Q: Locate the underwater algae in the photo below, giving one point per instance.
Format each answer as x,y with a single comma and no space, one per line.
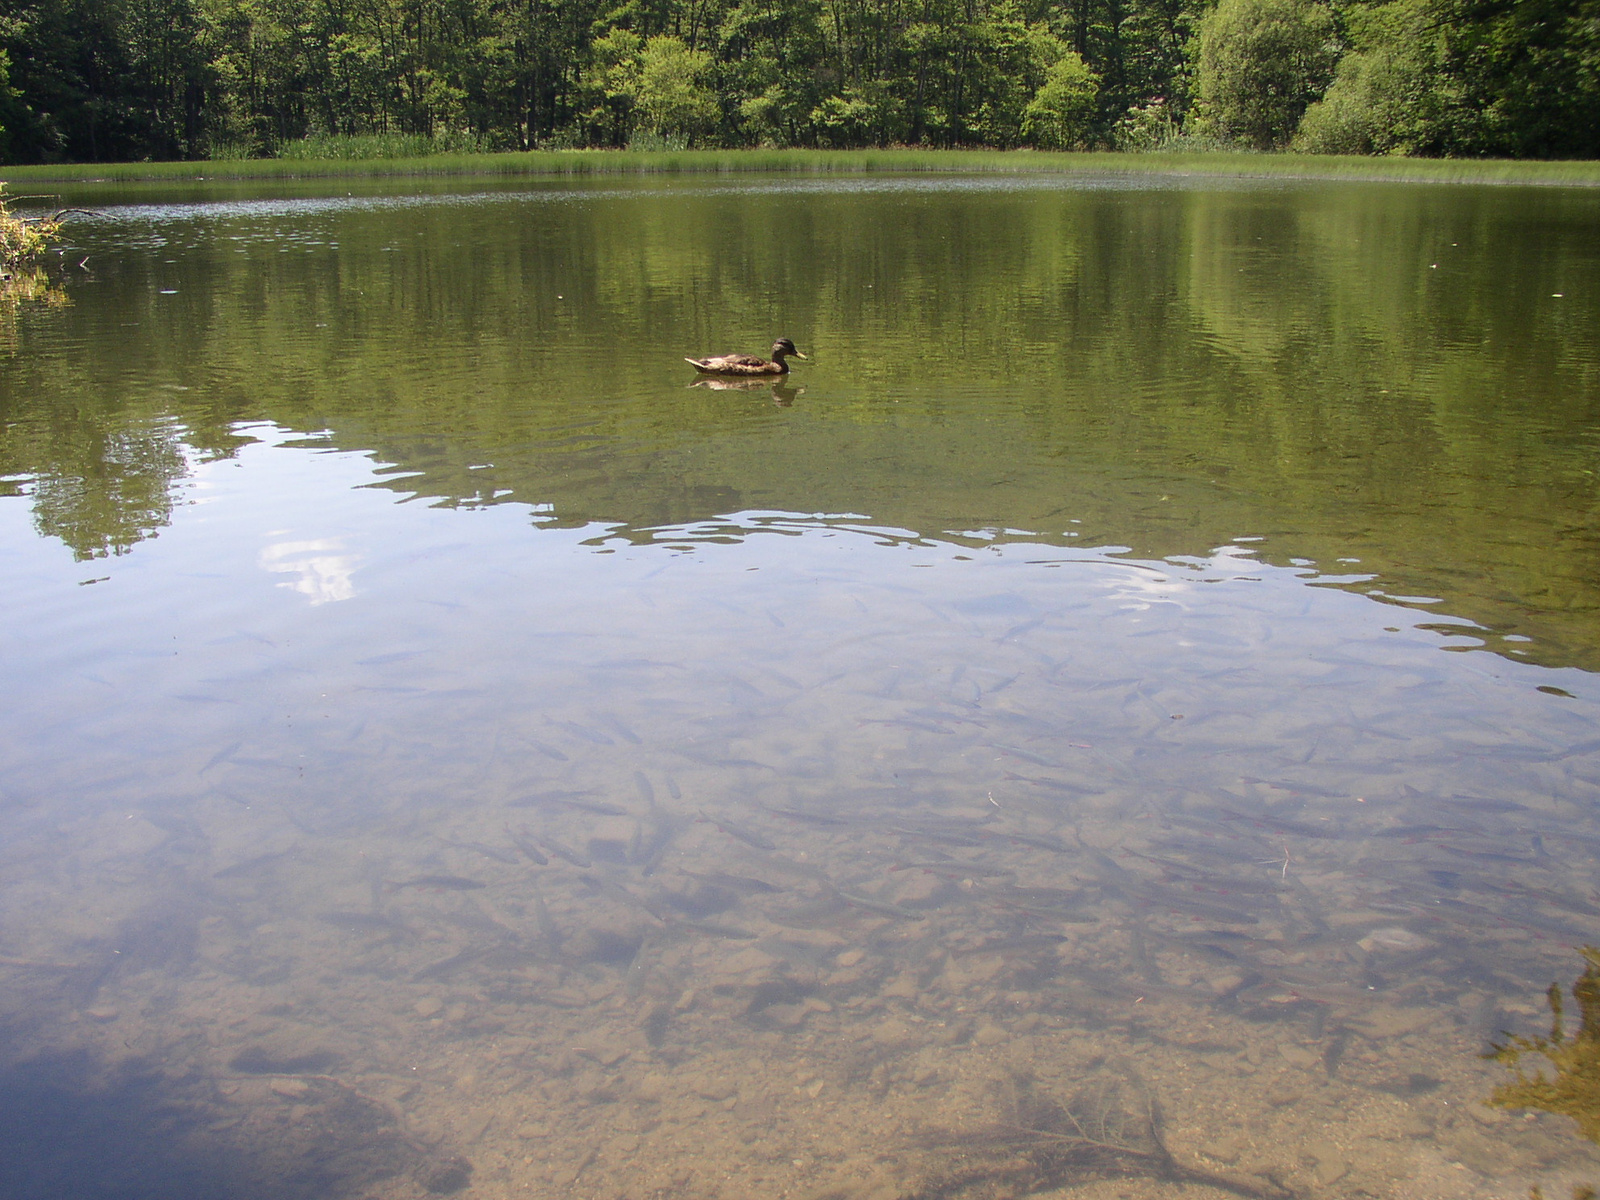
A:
1574,1090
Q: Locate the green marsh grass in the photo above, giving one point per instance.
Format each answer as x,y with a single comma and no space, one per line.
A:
368,147
830,162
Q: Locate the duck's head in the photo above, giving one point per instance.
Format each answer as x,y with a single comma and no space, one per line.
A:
784,346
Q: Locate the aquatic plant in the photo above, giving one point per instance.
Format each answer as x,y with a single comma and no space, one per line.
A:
1574,1089
23,239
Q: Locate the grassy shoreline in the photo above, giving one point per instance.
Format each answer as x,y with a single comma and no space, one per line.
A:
829,162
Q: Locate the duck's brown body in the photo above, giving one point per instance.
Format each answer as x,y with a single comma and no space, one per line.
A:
748,364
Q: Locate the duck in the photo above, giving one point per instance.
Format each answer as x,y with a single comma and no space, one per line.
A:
748,364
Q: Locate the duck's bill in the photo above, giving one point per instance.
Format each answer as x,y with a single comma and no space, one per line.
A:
797,354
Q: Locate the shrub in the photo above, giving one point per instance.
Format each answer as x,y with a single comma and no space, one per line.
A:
1391,93
1061,111
1262,63
672,97
1145,128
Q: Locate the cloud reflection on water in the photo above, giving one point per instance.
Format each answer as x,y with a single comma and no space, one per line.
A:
323,574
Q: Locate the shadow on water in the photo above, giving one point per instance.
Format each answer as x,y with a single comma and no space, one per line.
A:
72,1124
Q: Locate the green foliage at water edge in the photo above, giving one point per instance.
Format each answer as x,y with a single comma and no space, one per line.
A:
23,238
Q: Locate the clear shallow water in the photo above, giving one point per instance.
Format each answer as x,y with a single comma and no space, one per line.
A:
1035,717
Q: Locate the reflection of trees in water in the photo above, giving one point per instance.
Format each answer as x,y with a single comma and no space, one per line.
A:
101,477
20,286
1381,372
103,490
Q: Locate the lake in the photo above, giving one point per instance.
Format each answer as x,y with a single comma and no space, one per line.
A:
1121,716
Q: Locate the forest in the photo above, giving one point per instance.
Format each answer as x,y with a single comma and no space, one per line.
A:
135,80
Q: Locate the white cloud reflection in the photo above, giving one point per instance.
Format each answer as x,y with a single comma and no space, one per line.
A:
323,571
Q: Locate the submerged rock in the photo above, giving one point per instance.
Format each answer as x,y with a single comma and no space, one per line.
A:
443,1176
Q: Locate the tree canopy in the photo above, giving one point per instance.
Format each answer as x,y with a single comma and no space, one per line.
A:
109,80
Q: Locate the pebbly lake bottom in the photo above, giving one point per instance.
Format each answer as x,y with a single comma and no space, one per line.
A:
358,849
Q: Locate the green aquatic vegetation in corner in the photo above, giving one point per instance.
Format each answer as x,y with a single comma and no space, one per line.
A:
1574,1090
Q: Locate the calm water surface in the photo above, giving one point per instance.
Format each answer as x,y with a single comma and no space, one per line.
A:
1120,719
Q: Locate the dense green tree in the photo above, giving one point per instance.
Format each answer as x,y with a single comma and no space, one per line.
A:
1531,68
128,79
1262,62
672,97
1390,94
1060,114
609,86
9,97
1464,77
862,115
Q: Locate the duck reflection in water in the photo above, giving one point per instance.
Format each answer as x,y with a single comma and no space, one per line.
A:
783,395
